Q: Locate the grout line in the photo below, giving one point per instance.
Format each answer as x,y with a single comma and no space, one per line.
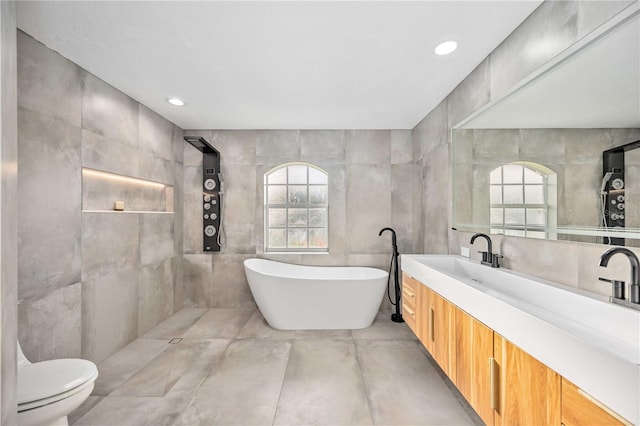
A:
286,370
364,383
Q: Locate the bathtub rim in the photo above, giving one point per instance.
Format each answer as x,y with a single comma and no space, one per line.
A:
379,273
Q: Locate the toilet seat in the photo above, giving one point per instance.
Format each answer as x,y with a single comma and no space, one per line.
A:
46,382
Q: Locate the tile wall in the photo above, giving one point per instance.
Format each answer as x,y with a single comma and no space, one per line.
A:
369,173
570,263
8,213
91,281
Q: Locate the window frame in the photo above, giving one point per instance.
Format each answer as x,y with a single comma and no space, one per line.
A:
288,205
525,229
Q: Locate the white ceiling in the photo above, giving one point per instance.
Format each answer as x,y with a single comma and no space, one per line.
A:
598,87
278,65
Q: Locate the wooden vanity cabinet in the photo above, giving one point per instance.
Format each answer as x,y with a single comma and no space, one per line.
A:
474,358
442,333
410,288
529,390
580,409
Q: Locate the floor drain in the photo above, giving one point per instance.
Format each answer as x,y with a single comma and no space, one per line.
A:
175,340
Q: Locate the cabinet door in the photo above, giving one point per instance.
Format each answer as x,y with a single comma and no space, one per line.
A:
529,390
423,317
474,358
579,409
409,298
442,333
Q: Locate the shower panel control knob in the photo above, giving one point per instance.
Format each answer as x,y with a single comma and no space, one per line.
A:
617,183
620,206
207,198
210,231
620,198
206,216
209,184
207,206
213,216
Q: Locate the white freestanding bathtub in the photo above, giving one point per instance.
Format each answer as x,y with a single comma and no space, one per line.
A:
296,297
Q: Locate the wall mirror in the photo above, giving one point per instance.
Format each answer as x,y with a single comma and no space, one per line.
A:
559,156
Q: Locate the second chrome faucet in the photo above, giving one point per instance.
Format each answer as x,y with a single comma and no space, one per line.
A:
488,257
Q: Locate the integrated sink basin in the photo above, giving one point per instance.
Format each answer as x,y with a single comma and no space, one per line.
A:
593,343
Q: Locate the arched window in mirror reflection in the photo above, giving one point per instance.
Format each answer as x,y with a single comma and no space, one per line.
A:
523,200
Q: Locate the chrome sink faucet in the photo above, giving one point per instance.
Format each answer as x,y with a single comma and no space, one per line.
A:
618,286
488,257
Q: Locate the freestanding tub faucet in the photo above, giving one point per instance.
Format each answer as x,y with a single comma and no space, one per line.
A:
634,287
488,257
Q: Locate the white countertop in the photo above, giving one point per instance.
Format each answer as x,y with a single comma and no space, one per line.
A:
586,339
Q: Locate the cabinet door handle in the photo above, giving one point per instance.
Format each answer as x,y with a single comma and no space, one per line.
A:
431,325
493,378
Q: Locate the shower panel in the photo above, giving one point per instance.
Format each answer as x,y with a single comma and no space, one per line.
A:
211,192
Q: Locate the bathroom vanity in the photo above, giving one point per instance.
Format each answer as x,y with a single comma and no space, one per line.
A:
523,350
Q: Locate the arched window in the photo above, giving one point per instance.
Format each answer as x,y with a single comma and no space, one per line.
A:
523,198
296,208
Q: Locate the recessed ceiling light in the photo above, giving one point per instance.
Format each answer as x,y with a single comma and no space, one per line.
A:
176,101
446,47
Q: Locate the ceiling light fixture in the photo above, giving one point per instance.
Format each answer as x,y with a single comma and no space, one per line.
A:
446,47
176,101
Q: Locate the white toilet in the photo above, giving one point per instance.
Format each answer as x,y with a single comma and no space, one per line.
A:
48,391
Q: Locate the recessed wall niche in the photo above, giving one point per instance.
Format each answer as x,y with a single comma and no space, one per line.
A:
100,191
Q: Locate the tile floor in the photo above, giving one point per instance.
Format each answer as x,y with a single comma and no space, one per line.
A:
231,368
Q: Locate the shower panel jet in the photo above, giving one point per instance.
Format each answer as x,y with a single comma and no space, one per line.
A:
211,193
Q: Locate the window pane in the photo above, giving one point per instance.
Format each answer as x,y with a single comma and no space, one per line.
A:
277,217
536,234
512,173
514,216
318,238
297,217
298,194
277,238
297,174
536,217
298,238
317,217
495,194
318,195
317,177
514,232
277,194
497,231
531,176
496,216
534,194
496,176
279,176
513,194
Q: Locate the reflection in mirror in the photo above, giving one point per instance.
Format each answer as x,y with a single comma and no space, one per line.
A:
556,159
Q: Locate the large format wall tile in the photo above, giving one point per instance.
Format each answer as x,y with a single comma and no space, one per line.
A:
322,145
401,147
229,286
109,314
239,208
155,133
47,82
236,147
156,237
8,214
48,203
274,147
155,294
107,111
402,206
102,153
192,219
367,146
110,242
198,278
49,326
368,207
470,95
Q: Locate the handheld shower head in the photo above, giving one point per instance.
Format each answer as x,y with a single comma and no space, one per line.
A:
606,178
221,180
